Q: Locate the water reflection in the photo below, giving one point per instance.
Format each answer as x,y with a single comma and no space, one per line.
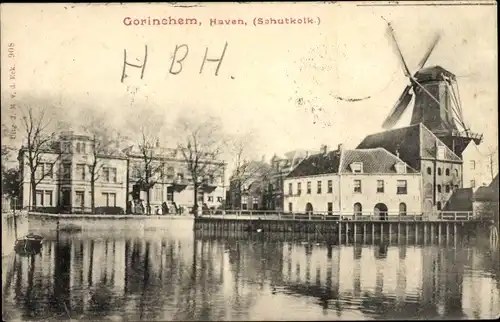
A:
175,276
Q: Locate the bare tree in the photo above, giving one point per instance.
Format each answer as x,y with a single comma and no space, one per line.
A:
246,168
40,137
104,143
147,127
201,144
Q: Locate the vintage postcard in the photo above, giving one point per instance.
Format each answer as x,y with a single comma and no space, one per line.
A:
250,161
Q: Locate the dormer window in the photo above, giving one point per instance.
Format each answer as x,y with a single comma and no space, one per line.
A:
440,152
357,167
400,167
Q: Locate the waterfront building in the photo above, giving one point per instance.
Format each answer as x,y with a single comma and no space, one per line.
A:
170,181
439,166
477,167
361,181
63,176
281,167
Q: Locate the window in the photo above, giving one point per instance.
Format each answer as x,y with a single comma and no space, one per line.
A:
170,173
358,209
48,198
441,152
455,187
109,174
83,148
473,183
380,186
319,187
255,205
357,167
472,164
402,187
158,193
429,170
330,186
290,207
330,208
109,199
290,188
456,173
210,198
447,171
39,198
439,171
439,205
402,209
309,187
180,177
79,199
357,186
78,147
219,199
439,188
447,188
299,188
66,171
400,167
80,170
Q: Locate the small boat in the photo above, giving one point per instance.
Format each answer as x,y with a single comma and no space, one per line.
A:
30,243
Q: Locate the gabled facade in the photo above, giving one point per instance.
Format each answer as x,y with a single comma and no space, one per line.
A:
368,182
63,180
416,145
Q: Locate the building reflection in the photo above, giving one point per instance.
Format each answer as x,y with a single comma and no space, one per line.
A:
208,278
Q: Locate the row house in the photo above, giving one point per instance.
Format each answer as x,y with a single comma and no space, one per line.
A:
362,181
440,168
280,168
63,179
169,180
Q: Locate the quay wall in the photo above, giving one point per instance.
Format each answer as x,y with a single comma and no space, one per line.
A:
41,222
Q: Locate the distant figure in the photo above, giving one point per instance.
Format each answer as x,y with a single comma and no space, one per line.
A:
164,208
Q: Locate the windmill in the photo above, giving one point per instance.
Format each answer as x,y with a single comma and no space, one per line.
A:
437,102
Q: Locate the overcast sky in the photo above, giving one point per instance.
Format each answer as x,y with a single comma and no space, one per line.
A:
278,81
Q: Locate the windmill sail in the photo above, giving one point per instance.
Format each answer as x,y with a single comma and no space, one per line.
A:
398,109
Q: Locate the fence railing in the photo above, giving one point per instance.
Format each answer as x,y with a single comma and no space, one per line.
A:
389,216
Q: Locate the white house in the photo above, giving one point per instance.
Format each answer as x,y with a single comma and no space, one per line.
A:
361,181
477,167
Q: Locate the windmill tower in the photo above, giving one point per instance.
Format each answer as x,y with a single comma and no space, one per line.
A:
437,102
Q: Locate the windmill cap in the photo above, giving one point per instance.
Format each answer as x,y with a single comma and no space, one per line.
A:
433,73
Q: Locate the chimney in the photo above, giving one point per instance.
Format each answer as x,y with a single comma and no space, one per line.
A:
397,153
157,143
340,147
263,158
324,148
307,154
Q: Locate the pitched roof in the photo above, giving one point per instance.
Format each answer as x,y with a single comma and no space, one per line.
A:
316,164
377,160
413,143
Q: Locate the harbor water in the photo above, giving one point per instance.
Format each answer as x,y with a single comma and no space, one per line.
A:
169,272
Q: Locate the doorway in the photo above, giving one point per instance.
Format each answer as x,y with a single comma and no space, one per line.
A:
380,211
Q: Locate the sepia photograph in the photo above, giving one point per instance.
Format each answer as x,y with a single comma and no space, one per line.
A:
271,161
